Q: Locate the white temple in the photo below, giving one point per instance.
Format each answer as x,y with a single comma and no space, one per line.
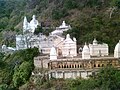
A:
59,30
64,47
33,24
28,39
53,54
30,27
117,50
69,47
86,52
98,49
6,49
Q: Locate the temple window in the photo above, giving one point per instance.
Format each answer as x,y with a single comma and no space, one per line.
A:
67,66
64,66
59,66
94,65
80,66
72,66
98,65
48,64
75,65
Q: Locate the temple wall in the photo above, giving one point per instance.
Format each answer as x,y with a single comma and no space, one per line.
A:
70,74
41,62
74,67
80,68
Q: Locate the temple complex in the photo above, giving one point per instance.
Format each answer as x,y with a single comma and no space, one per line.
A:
59,54
81,66
64,46
28,39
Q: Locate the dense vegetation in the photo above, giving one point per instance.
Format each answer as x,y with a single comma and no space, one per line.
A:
16,68
89,18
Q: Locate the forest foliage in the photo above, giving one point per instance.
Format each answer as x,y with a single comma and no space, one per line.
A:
16,68
89,19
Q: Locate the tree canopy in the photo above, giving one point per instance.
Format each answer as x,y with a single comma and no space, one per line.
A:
16,68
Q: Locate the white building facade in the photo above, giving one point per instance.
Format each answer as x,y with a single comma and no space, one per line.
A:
86,52
98,49
117,50
69,47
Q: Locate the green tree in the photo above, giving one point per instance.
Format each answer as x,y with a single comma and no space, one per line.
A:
70,4
22,74
38,30
108,78
59,13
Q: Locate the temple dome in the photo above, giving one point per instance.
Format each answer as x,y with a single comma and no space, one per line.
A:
25,25
85,52
94,41
74,39
85,48
25,22
117,50
68,39
33,23
53,54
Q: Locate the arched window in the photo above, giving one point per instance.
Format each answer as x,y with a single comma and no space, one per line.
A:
78,65
67,66
72,66
98,65
75,65
64,66
94,65
59,66
48,64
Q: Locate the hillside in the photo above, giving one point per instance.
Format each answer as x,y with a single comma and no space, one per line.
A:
89,18
16,68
